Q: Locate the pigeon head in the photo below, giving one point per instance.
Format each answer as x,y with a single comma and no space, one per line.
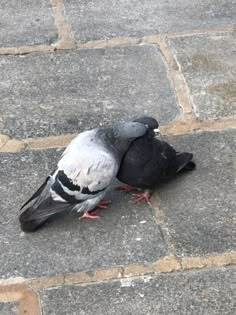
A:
150,123
129,130
123,134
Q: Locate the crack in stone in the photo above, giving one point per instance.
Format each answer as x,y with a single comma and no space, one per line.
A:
179,83
181,125
25,291
66,40
166,264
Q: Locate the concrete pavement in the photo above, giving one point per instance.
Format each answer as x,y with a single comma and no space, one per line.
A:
71,65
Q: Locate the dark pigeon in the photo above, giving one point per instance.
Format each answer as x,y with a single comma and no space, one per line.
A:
82,176
150,161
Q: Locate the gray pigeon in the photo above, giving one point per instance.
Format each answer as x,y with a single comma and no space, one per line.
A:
83,174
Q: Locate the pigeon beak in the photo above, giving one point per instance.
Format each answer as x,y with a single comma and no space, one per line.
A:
157,132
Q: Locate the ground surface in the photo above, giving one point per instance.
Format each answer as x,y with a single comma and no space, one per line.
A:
71,65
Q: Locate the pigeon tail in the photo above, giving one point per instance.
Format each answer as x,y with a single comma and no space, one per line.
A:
33,217
29,224
184,161
37,193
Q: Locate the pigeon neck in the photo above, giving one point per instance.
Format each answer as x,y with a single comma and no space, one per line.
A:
117,144
121,145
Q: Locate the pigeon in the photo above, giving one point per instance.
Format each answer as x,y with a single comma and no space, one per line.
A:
150,161
82,176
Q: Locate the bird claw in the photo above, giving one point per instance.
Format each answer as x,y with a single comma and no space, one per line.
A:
126,188
142,196
90,215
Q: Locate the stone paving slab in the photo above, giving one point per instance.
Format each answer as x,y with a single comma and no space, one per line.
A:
64,92
210,72
124,234
8,308
27,22
200,206
106,19
205,292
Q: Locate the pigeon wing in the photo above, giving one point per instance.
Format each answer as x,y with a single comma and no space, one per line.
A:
37,193
86,172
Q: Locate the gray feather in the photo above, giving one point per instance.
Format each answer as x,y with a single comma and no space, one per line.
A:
30,219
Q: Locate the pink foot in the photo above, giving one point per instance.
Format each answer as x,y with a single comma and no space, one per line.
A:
90,215
142,196
103,204
127,188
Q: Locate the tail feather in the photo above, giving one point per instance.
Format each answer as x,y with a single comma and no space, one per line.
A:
184,161
37,193
42,191
34,217
189,166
